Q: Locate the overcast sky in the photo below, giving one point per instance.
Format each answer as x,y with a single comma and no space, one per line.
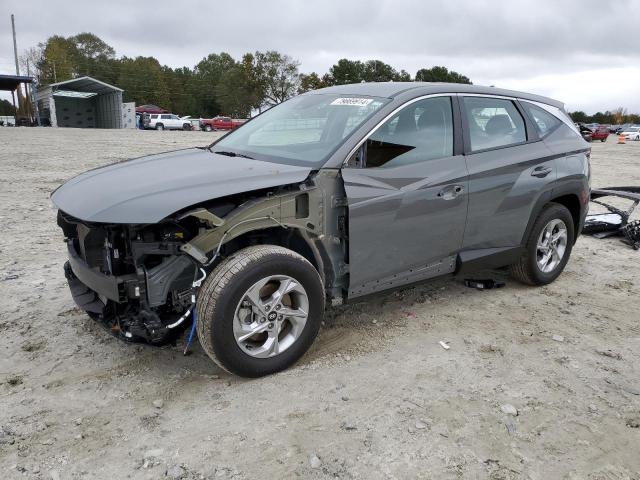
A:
585,53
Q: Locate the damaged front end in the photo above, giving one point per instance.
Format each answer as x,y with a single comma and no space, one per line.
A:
132,278
141,280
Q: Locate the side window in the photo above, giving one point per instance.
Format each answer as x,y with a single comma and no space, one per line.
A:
165,117
419,132
493,122
545,122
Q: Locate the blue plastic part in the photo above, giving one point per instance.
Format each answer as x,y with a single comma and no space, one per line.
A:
194,320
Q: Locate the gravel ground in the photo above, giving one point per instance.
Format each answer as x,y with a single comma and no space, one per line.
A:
539,383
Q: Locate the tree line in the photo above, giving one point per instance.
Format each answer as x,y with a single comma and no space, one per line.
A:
218,84
619,116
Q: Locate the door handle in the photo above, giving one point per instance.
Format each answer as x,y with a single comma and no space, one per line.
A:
541,171
450,192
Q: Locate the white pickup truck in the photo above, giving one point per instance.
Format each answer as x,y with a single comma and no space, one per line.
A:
167,121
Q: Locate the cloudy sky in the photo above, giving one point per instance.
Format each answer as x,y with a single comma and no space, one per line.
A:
583,52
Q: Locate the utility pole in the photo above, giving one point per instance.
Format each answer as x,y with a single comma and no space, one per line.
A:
15,53
15,45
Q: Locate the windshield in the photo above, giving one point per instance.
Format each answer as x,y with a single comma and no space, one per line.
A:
302,131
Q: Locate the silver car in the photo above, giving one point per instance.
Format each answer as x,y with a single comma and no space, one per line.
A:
331,196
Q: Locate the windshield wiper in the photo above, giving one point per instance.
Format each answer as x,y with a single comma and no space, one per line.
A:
232,154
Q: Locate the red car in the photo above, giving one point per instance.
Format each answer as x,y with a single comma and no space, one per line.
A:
219,123
600,132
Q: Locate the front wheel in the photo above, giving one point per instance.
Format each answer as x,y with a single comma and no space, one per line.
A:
603,140
260,310
208,128
159,126
548,247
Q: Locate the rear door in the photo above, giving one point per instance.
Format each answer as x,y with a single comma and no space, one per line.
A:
510,169
407,198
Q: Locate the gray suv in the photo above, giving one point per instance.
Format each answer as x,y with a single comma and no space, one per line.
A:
333,195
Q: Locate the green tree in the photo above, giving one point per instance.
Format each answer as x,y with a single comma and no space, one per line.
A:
378,71
143,81
346,71
207,75
234,94
59,60
440,74
579,117
311,81
404,76
277,77
181,87
6,108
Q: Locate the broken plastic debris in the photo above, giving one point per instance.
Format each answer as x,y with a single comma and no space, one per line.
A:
444,345
483,284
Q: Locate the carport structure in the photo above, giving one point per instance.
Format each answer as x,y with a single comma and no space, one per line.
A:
83,102
12,83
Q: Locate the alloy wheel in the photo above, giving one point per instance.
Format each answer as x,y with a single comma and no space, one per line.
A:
270,316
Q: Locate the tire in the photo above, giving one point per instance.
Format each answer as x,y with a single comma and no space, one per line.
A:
159,126
208,128
224,295
527,270
186,126
603,140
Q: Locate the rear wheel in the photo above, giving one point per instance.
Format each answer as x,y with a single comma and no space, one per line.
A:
159,126
548,247
260,310
603,140
208,128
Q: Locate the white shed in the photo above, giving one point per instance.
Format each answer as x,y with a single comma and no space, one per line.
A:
81,103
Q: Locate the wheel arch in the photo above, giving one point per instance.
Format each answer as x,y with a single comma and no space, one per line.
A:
293,238
569,198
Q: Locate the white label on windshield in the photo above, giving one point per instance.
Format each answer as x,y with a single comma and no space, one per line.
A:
354,102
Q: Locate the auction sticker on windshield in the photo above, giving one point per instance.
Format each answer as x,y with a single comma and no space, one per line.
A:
352,101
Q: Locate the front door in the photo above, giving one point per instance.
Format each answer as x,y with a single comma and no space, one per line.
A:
407,198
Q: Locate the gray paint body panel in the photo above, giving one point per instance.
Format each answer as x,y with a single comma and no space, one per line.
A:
397,221
148,189
502,193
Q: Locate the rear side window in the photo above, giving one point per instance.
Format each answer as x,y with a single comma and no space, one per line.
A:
419,132
544,121
166,117
493,122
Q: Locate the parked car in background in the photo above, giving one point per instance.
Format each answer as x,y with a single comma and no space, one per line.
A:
632,133
219,123
600,132
586,132
333,195
167,121
195,123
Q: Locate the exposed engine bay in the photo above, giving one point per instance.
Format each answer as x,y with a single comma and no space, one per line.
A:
140,281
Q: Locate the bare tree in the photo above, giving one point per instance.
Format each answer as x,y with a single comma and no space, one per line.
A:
619,115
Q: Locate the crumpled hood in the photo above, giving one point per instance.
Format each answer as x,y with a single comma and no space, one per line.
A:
148,189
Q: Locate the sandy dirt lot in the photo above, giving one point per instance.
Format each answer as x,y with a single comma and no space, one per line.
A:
376,397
